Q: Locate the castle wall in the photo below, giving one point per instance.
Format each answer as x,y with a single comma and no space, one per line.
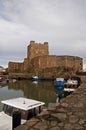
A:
44,61
15,67
26,64
73,62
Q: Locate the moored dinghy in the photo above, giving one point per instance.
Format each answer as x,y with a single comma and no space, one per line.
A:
37,78
71,83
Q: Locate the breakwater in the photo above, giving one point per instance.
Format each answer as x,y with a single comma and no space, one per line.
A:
69,114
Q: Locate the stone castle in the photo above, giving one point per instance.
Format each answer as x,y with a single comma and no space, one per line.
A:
38,61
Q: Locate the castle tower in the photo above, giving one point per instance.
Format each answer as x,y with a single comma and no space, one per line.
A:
37,49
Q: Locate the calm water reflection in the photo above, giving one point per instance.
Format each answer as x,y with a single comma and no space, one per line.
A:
42,91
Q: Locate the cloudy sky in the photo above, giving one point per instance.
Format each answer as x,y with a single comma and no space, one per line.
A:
61,23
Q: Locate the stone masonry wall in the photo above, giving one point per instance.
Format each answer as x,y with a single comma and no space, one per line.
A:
15,67
74,62
37,49
58,61
44,61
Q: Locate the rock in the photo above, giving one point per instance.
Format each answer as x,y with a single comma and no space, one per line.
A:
63,104
60,116
68,127
73,119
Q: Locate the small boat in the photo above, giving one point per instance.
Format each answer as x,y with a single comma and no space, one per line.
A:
2,80
59,82
27,107
71,83
36,78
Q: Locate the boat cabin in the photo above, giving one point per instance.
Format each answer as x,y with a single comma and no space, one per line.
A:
27,108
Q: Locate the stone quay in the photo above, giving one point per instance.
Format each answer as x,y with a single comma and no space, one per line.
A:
69,114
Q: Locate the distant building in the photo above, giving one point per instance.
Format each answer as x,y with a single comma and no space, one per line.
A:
2,70
38,58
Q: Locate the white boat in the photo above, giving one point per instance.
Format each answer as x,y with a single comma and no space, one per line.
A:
27,107
71,83
69,89
3,80
36,78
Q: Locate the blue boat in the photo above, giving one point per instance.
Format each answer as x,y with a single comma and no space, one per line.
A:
59,88
59,82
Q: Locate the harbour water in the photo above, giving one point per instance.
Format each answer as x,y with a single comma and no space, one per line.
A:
42,91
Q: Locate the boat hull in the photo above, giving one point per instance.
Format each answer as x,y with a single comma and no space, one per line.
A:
59,82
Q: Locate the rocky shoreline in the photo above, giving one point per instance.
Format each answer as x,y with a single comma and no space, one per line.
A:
69,114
